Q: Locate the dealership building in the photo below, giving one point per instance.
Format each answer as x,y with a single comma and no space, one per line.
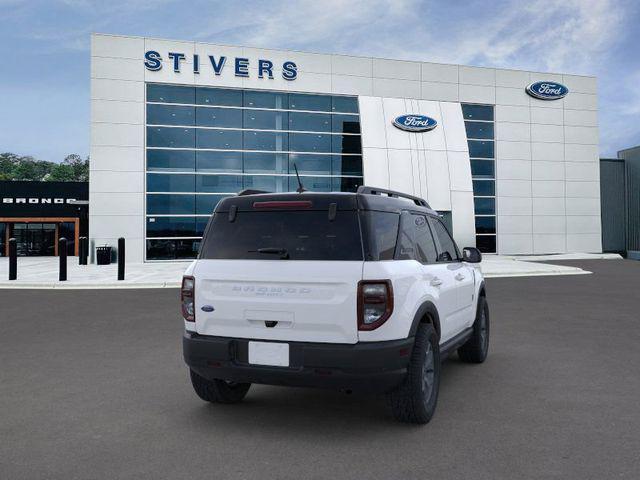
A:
508,157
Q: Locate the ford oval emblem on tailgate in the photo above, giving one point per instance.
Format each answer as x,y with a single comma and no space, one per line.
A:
207,308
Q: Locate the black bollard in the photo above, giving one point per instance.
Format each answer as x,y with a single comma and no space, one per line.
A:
85,260
80,250
13,259
62,253
121,254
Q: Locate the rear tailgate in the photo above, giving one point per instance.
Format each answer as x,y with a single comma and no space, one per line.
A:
281,267
285,300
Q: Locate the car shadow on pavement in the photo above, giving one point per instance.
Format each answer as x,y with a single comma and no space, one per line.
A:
312,410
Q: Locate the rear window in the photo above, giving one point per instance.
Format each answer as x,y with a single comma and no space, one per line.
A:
292,235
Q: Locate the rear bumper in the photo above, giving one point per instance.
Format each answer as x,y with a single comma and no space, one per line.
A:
370,367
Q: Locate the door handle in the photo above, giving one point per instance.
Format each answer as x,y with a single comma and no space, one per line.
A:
459,277
436,282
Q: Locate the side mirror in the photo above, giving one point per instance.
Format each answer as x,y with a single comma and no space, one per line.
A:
471,255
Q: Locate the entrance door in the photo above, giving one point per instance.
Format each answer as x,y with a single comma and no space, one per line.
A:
35,239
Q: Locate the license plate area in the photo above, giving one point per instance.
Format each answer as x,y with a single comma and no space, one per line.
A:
272,354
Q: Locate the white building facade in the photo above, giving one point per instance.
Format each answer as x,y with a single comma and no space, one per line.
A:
177,125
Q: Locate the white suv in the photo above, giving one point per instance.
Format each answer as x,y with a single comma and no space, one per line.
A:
353,291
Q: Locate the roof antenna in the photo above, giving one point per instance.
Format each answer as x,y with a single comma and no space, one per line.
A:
300,188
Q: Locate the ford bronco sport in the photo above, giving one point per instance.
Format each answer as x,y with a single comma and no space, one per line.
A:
361,291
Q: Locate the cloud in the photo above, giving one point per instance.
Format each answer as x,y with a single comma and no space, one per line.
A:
596,37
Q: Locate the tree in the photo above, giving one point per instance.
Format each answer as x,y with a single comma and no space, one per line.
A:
16,167
61,173
79,167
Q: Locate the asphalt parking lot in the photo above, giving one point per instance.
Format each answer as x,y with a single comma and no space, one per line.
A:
93,387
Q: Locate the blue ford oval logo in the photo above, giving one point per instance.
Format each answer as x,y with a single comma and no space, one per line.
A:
415,123
547,90
207,308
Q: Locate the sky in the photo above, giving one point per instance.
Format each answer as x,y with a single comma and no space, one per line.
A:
44,77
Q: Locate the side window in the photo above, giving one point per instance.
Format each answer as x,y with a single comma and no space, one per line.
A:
380,234
447,250
425,246
405,249
415,241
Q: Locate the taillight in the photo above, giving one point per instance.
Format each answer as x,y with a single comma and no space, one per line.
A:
187,298
375,303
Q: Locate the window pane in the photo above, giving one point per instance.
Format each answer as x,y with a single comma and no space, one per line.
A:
480,149
265,141
347,144
486,243
477,112
479,129
268,183
265,120
166,204
310,122
66,230
218,183
219,97
485,224
219,161
316,103
171,227
482,168
345,184
201,225
167,182
172,249
169,115
447,250
305,235
446,217
425,246
310,142
345,104
345,124
223,139
265,99
260,162
170,137
312,184
219,117
484,188
171,160
380,230
347,165
310,164
170,94
205,204
485,206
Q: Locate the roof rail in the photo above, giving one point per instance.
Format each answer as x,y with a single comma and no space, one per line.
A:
392,193
250,191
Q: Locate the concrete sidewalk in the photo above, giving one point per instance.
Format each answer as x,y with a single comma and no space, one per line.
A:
42,272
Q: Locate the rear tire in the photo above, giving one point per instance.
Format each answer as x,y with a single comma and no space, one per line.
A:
218,391
414,401
475,350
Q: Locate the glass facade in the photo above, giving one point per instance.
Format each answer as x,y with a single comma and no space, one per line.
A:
480,127
203,144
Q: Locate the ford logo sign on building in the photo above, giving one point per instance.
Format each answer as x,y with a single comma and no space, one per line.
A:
547,90
415,123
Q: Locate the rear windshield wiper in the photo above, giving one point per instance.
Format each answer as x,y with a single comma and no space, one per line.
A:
284,254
